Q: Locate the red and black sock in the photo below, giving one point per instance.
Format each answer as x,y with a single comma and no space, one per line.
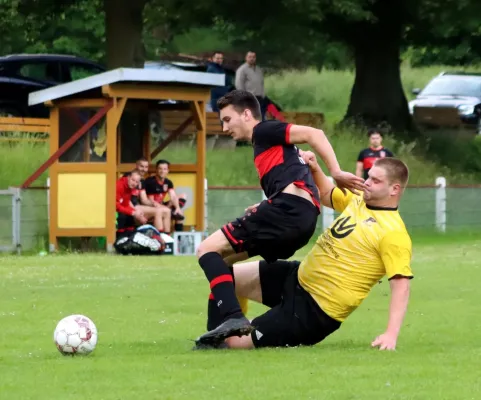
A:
214,317
222,287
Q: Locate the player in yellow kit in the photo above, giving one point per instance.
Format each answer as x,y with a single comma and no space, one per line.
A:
310,300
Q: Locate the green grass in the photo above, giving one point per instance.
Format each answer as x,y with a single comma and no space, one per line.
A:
19,160
148,310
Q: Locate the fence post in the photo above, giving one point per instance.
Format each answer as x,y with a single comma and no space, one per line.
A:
441,204
16,217
327,213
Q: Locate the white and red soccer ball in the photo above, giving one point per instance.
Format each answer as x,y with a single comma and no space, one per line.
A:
75,334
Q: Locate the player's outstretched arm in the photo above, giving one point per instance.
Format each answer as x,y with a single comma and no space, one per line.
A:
324,185
299,134
397,310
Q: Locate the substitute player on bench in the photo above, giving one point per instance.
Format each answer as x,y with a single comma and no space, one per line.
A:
309,300
276,228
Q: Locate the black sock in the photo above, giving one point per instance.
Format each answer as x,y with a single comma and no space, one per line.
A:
214,318
221,284
179,227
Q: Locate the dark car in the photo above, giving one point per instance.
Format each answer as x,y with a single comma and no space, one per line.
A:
23,74
449,97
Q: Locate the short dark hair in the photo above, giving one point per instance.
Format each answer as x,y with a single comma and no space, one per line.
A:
142,159
396,170
374,131
217,52
241,100
162,162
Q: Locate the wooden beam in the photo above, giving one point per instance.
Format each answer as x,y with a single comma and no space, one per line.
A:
113,119
24,121
200,176
80,232
172,136
78,103
156,92
146,137
123,168
76,136
82,167
200,122
53,195
118,109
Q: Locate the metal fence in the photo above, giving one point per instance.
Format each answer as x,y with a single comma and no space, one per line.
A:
23,219
437,207
24,212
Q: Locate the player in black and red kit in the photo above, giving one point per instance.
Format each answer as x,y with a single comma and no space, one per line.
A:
157,187
277,227
376,150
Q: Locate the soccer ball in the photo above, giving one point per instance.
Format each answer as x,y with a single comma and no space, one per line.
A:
75,334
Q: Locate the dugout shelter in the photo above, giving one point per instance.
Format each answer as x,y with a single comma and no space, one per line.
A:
99,127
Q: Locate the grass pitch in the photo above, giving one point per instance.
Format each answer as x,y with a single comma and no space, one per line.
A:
148,310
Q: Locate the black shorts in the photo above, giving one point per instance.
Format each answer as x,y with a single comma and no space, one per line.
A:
294,318
275,230
125,222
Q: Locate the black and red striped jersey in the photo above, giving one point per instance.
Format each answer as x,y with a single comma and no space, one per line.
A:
369,155
156,189
278,162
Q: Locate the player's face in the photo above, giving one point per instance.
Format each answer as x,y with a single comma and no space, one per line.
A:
235,123
375,140
143,167
378,187
162,170
133,181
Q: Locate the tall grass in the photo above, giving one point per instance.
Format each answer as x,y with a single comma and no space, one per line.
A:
329,91
235,167
18,160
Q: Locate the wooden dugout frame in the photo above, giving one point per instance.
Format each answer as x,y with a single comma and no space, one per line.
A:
112,104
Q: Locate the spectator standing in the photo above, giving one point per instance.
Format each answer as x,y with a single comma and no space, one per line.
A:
249,77
215,67
367,156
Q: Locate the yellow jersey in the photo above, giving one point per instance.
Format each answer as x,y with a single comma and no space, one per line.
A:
361,246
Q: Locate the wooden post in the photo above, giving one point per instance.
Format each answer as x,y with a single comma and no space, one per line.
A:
198,110
54,143
113,119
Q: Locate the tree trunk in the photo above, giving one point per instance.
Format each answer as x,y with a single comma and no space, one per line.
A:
377,97
123,26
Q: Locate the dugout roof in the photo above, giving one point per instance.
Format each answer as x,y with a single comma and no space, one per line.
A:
92,86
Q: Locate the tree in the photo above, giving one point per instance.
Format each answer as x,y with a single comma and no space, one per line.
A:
124,26
68,27
376,31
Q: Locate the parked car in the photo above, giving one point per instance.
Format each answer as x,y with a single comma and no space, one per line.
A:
458,91
23,74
